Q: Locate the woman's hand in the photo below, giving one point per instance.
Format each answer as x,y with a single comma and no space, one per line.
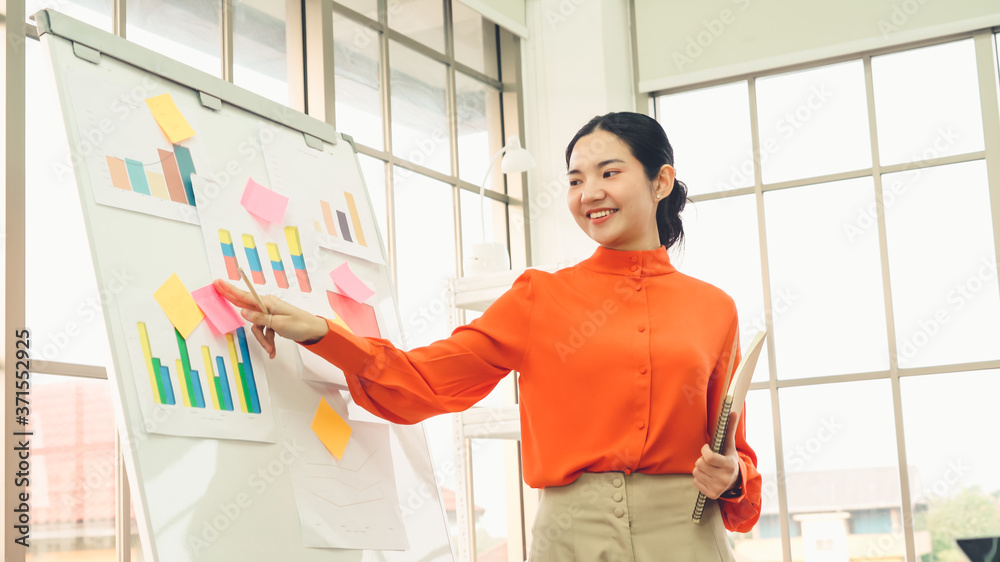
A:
284,319
715,473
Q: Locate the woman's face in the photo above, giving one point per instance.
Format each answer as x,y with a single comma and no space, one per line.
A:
610,196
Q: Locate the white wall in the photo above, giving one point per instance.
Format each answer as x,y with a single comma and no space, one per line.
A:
577,64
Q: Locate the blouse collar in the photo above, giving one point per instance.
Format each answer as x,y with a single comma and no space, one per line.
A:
642,263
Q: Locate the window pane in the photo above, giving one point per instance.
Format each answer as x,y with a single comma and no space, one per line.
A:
836,321
260,62
419,109
373,171
185,30
73,470
709,130
813,122
946,302
489,494
953,475
760,437
722,247
842,474
424,219
357,83
422,20
479,137
475,39
940,85
95,12
66,319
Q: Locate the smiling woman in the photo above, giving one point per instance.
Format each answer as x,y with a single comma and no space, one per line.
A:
656,342
622,164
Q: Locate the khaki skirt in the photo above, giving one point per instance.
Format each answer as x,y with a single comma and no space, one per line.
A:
617,517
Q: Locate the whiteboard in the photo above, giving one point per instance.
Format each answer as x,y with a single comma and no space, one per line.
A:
209,480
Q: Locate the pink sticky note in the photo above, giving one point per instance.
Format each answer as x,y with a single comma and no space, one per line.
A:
263,202
221,315
349,284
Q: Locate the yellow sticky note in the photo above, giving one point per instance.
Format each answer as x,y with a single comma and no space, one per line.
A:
331,429
179,306
169,117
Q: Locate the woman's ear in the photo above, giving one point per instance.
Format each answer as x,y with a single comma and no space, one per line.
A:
664,182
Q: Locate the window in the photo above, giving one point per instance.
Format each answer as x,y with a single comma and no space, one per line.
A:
862,234
417,84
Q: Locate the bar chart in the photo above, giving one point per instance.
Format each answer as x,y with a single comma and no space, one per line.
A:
172,181
221,382
339,224
275,261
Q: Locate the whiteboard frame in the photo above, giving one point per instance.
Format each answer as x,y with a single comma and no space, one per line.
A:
91,44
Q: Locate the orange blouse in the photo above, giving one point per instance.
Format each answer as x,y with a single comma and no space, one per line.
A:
621,359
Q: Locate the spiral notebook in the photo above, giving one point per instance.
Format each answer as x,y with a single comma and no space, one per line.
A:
736,394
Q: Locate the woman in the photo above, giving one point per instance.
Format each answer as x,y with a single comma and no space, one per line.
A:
620,357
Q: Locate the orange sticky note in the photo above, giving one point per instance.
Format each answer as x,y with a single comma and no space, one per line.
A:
331,429
179,306
169,117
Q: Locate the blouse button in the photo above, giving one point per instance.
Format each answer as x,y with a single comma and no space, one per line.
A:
617,482
617,497
642,371
634,258
642,425
619,512
634,268
628,471
639,288
642,329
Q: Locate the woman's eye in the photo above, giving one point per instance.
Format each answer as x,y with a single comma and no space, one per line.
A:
610,173
574,183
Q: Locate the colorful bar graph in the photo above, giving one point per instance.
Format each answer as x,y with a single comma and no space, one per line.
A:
167,387
277,266
342,219
213,381
157,186
229,255
191,382
175,185
137,176
237,373
355,218
247,366
185,165
191,386
298,261
256,270
154,373
119,173
328,218
227,398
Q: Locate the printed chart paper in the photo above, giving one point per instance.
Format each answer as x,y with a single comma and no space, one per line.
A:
350,503
341,217
203,385
131,163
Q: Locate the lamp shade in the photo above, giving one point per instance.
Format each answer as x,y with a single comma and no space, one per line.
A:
517,159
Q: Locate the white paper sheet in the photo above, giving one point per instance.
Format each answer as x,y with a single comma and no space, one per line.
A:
351,503
291,164
111,129
193,421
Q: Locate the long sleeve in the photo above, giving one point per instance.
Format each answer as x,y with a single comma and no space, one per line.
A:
449,375
739,514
